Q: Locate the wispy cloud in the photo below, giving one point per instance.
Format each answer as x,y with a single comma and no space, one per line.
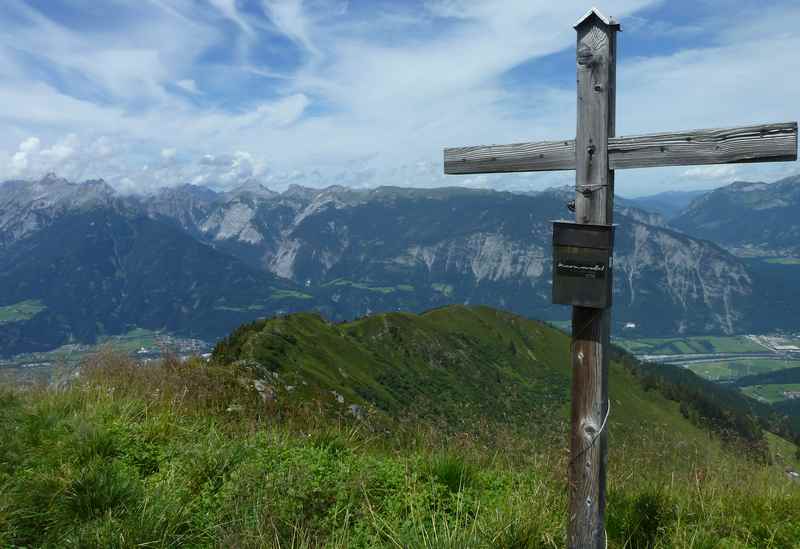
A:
229,10
362,93
291,19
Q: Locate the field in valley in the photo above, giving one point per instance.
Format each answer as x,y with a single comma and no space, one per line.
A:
727,359
690,345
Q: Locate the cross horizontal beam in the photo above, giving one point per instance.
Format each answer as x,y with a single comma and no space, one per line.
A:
763,143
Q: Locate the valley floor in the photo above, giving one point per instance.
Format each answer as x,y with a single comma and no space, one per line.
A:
60,364
728,359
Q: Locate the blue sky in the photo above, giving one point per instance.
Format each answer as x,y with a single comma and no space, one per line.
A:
152,93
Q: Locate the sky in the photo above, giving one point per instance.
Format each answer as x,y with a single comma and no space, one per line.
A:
363,93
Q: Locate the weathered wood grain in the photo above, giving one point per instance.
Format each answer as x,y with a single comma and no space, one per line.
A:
761,143
758,143
596,57
517,157
588,446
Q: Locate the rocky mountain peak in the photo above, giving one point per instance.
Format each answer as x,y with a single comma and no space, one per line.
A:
29,205
51,178
187,191
252,188
746,187
299,191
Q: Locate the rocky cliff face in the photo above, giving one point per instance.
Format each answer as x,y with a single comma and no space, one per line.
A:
403,248
28,206
693,275
343,252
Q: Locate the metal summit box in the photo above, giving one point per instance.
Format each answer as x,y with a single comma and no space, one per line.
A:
582,263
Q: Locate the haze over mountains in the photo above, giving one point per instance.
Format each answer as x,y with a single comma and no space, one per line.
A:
198,262
668,203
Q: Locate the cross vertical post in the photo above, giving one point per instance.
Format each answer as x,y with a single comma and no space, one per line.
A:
594,154
594,203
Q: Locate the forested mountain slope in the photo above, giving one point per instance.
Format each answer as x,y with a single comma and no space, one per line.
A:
198,262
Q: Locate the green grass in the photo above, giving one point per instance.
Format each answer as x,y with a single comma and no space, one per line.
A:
734,369
783,260
114,463
367,287
290,294
432,364
467,450
18,312
444,289
772,392
689,345
783,452
131,341
238,309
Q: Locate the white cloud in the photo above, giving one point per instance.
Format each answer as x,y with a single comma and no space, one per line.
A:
188,85
101,147
31,159
282,112
723,172
168,154
61,151
19,162
20,159
30,145
290,19
229,10
362,103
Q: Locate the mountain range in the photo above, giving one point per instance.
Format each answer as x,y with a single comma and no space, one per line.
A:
198,262
749,219
668,204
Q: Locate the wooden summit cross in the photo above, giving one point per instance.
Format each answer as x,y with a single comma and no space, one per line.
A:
594,154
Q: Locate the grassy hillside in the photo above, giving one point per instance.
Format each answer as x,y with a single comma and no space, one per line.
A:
447,429
453,364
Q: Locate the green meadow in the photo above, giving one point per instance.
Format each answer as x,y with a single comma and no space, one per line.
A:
690,345
771,393
734,369
459,440
24,310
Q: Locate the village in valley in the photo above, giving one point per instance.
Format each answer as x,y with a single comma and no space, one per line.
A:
143,346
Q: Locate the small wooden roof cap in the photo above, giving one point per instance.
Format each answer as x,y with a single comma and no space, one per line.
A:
609,21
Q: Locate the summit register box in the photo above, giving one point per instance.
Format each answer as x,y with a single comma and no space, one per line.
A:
582,262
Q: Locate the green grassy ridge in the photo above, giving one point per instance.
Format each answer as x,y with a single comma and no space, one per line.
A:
453,362
188,454
458,363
